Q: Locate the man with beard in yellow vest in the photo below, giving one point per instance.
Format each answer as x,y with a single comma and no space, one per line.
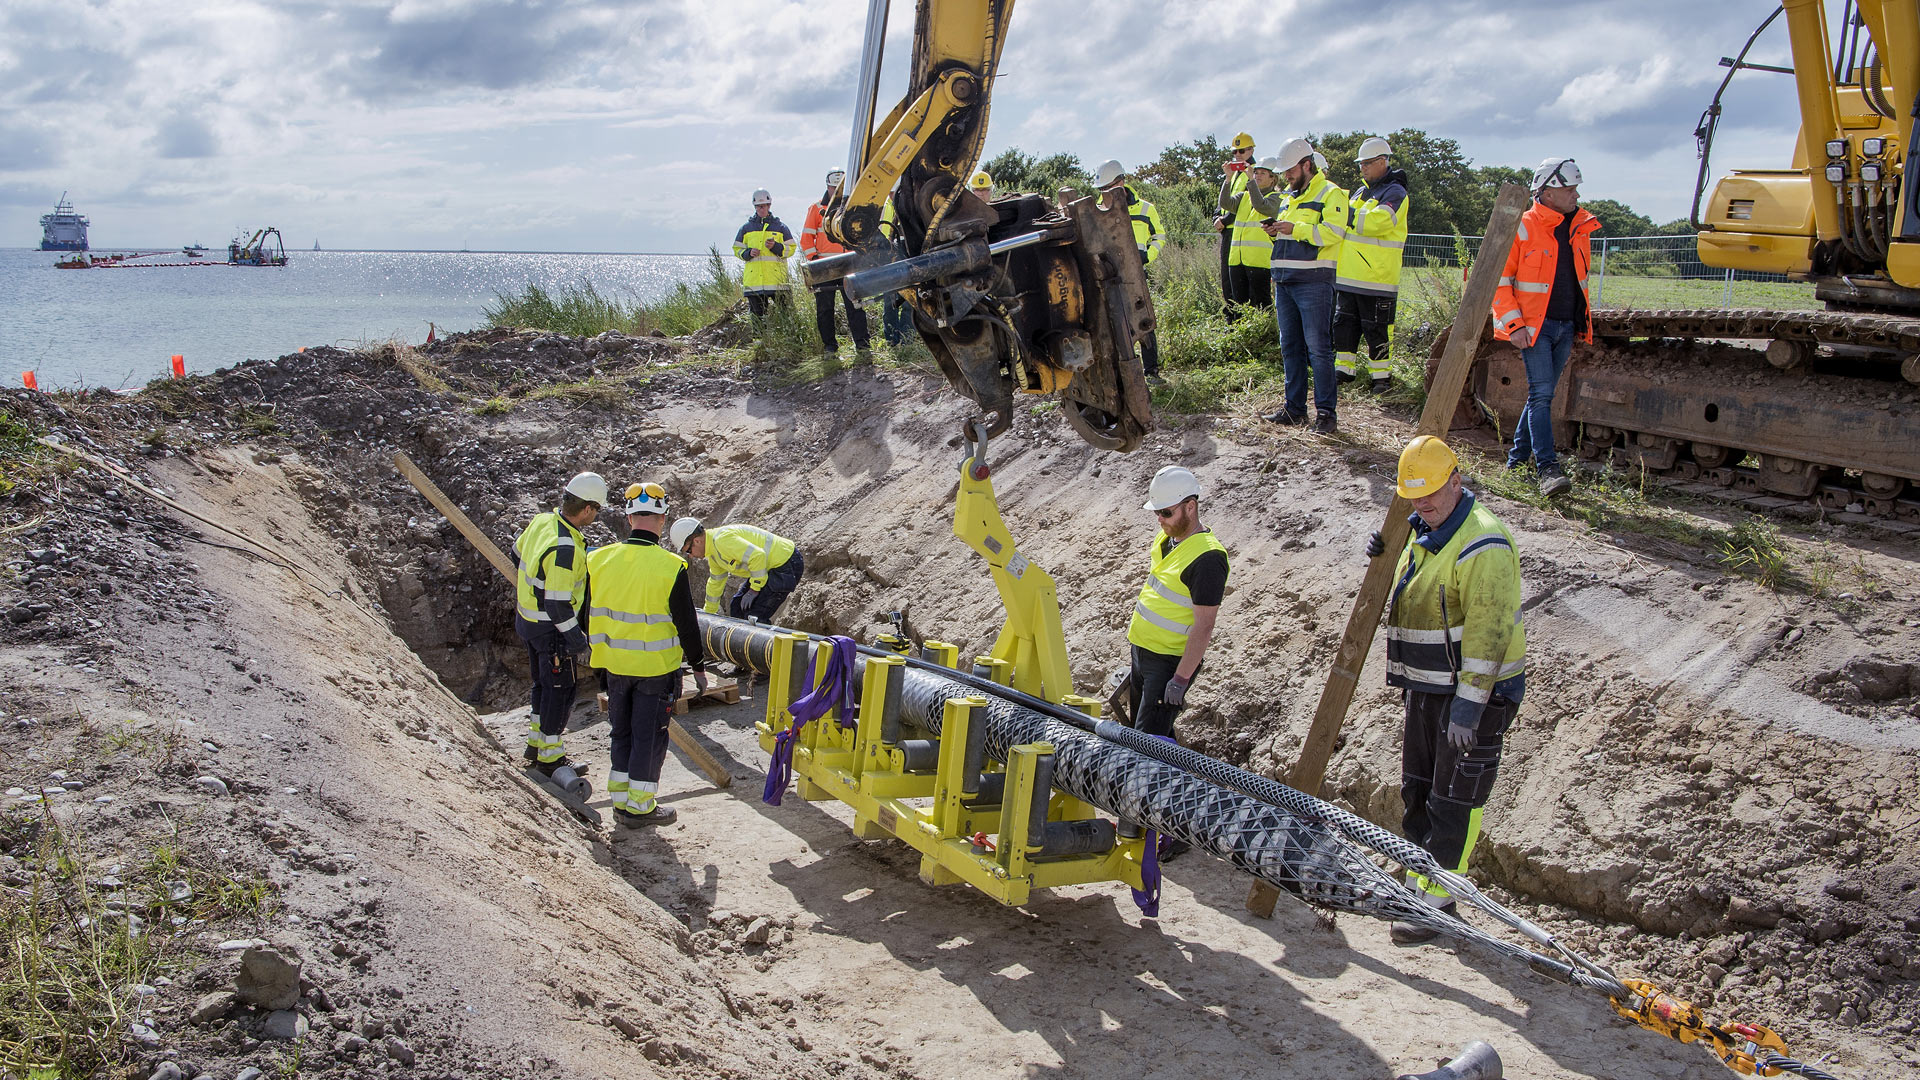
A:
1173,618
642,627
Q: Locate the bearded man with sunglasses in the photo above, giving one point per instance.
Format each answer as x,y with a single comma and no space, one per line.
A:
1173,618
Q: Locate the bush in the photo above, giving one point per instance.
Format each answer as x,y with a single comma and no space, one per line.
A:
581,311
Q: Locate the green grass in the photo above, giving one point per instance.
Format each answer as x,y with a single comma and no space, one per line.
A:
73,955
19,451
581,311
1754,548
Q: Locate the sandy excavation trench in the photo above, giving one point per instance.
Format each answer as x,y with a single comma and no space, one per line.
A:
1711,785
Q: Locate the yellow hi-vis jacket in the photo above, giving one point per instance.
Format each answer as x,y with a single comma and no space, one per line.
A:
1319,216
553,576
766,271
1376,239
1453,626
1251,246
630,627
1147,231
742,551
1163,615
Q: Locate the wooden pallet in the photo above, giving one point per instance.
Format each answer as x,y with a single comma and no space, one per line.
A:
720,691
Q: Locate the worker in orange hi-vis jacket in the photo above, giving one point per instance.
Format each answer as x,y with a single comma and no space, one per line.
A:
816,244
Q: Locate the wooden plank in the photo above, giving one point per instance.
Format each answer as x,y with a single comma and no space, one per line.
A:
1449,379
689,746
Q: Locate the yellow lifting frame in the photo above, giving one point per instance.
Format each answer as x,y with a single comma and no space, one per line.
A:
930,811
1030,655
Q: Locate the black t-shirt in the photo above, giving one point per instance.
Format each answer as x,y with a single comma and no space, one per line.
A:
1205,578
1566,301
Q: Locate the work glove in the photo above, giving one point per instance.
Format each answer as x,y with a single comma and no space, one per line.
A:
1462,737
775,247
746,598
700,682
1376,545
576,641
1176,692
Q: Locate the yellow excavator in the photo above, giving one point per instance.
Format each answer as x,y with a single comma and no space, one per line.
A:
1800,405
1023,293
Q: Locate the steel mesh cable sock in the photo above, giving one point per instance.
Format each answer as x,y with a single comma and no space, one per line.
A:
1299,853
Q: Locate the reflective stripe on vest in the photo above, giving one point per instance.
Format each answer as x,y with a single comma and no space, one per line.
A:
1251,244
1163,612
630,628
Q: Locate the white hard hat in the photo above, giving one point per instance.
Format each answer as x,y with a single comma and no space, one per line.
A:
1293,152
1170,487
589,487
1320,161
646,499
760,196
834,176
1556,172
682,531
1271,164
1374,146
1109,171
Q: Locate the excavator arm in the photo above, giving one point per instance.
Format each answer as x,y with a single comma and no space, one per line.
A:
1026,293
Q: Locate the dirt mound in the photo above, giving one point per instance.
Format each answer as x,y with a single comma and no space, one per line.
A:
1710,784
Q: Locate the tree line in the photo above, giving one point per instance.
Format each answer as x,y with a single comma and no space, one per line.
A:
1449,192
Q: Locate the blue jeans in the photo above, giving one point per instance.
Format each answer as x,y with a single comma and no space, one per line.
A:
1304,310
1545,360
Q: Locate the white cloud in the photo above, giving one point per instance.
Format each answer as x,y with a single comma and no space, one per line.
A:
563,124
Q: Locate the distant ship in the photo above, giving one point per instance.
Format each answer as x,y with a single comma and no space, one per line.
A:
63,230
316,245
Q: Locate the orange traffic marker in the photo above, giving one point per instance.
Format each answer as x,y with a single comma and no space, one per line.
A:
179,366
31,383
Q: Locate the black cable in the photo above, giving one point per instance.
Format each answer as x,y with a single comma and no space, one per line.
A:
1710,120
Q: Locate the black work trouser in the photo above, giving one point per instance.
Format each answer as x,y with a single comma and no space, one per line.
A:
757,303
1251,286
781,581
1444,788
1150,673
1364,316
553,683
1226,274
639,708
823,316
895,322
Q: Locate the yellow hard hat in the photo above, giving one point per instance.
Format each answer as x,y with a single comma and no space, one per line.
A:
1242,141
980,181
1425,465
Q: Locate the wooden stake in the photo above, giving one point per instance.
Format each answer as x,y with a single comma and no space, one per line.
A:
484,544
1449,379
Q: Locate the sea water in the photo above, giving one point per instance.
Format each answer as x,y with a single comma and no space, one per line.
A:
120,327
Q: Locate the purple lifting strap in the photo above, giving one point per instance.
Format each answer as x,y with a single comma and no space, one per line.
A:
835,689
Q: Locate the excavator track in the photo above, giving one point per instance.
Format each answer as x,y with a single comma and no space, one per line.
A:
1771,407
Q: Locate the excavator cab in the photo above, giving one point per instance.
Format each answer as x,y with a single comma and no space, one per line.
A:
1024,294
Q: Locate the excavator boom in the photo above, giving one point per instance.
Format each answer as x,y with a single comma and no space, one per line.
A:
1028,293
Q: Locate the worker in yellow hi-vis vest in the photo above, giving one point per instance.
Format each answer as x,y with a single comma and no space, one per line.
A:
1173,617
550,559
764,244
641,623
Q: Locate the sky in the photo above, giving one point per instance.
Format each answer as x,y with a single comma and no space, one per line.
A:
549,125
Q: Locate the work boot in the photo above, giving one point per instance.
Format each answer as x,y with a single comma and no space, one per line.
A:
1325,424
1172,847
530,755
659,815
1154,380
1379,385
548,768
1342,378
1408,933
1285,418
1553,481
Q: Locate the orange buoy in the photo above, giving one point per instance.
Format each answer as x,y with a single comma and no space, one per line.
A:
31,383
179,366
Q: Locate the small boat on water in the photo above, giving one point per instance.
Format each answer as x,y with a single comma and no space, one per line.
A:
194,251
